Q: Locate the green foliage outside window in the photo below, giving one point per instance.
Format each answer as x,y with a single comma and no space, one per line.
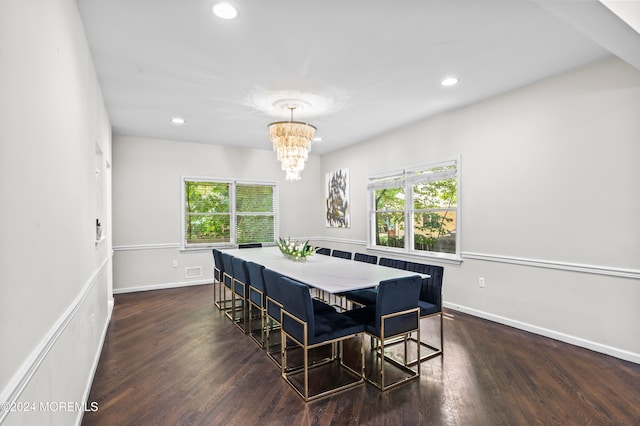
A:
209,208
428,201
434,215
390,204
207,212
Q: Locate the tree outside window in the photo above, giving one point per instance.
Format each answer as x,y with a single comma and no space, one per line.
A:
207,212
434,215
228,212
389,217
425,197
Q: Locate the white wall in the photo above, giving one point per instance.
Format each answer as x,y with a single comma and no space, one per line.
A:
549,204
147,205
54,278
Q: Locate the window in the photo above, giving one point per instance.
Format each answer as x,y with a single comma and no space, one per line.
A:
255,217
219,212
416,210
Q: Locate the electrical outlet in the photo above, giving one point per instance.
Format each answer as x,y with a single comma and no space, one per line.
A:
481,282
175,263
93,321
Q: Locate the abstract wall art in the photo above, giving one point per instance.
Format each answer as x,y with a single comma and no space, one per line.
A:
338,210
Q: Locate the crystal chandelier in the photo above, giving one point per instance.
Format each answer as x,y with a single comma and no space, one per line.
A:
291,140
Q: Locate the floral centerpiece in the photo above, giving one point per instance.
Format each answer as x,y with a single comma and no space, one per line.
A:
294,249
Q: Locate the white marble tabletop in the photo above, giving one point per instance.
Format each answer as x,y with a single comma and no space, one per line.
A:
331,274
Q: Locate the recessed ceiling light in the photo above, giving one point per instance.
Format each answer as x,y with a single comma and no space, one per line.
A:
177,121
317,139
449,81
224,11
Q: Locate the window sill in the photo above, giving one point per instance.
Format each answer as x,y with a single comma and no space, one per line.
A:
203,248
392,252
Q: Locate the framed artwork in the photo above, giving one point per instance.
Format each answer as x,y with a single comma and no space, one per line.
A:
338,210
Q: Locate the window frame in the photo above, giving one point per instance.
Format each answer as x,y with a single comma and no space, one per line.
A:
406,178
233,213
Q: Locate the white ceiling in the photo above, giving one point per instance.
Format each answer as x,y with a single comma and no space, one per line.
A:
367,66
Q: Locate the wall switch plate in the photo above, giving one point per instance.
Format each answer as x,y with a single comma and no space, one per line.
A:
175,263
481,282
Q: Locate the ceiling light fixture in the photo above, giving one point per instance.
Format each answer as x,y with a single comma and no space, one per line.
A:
177,121
291,139
224,11
449,81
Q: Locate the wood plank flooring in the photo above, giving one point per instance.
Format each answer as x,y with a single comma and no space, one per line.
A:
170,357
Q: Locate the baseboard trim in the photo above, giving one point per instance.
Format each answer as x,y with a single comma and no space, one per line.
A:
96,360
576,341
160,286
25,373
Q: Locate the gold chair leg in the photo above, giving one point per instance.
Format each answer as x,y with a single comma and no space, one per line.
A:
435,350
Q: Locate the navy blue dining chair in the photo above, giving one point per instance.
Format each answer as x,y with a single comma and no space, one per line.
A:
257,302
249,245
396,314
430,304
227,282
309,329
323,250
240,293
363,297
273,304
392,263
274,310
218,270
367,258
341,254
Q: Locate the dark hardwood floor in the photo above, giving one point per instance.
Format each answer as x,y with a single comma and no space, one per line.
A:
170,357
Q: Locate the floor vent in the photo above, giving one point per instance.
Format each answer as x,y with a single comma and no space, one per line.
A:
193,272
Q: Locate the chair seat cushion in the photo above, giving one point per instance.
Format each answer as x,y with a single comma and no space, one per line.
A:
393,326
427,308
365,316
333,325
365,296
320,307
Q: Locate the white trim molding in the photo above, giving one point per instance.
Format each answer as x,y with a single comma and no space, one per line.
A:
161,286
96,360
556,335
337,240
147,247
29,367
551,264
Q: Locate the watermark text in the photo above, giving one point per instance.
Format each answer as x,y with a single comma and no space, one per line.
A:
49,406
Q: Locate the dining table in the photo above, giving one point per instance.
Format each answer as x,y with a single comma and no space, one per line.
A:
330,274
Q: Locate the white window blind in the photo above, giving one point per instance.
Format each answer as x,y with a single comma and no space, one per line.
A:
219,212
255,213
